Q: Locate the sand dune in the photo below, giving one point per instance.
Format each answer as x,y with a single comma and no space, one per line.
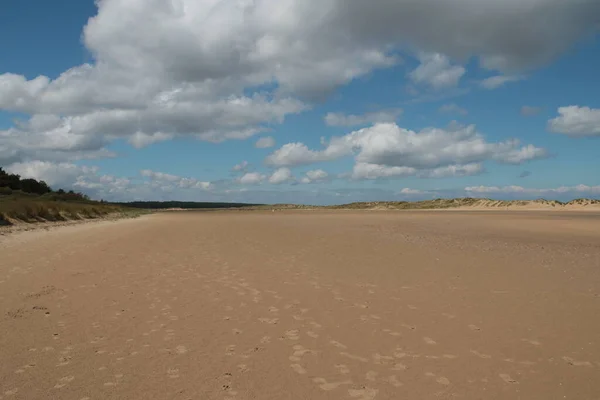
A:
296,305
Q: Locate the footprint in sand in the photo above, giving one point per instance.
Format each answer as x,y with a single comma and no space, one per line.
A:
506,378
265,339
442,380
62,382
298,369
474,327
292,334
571,361
312,334
342,369
392,380
531,341
299,352
399,367
379,359
353,357
480,355
327,386
429,340
230,350
363,394
338,344
181,349
271,321
243,368
371,376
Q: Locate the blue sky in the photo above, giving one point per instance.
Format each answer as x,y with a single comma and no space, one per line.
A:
132,100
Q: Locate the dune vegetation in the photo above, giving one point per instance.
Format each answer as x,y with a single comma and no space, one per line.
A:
30,200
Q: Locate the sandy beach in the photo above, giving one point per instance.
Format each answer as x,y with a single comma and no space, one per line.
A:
304,305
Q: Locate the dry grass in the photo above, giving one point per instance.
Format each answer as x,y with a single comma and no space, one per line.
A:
30,209
445,204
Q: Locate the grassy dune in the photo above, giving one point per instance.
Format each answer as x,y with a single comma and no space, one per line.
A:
25,208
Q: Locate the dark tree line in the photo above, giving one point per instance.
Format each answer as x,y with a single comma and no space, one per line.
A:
183,204
13,182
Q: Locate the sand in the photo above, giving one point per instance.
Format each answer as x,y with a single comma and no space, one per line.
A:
304,305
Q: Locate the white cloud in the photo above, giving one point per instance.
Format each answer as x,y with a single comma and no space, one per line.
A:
265,142
528,111
453,108
48,138
315,176
364,170
252,178
497,81
74,177
453,170
341,119
377,171
281,175
578,189
387,150
293,154
161,178
436,71
576,121
240,167
56,175
414,192
141,139
164,69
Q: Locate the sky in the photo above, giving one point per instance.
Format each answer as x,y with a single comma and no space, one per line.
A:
297,101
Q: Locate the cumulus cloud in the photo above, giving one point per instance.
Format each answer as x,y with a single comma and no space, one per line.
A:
436,71
252,178
48,138
453,108
315,176
57,175
346,120
294,154
576,121
161,178
578,189
497,81
414,192
281,175
528,111
70,176
240,167
362,170
225,70
265,142
378,171
387,150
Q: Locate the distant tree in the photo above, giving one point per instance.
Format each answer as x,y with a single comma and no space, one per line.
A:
12,181
34,186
